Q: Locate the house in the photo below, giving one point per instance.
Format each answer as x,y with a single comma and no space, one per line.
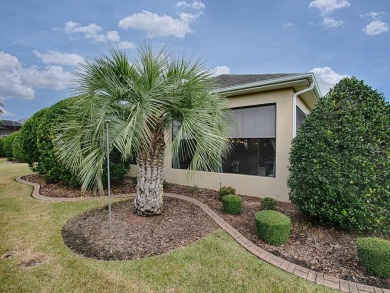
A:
9,126
267,109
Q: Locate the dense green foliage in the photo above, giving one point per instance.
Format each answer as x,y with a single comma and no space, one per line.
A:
17,152
268,203
340,159
7,146
374,255
2,154
29,141
273,227
232,204
37,137
226,190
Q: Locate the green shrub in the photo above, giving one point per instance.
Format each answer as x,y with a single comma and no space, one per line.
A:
273,227
38,134
232,204
340,159
193,189
226,190
165,185
7,146
28,140
17,151
374,255
268,203
2,154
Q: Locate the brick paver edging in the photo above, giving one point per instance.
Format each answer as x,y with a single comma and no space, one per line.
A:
304,273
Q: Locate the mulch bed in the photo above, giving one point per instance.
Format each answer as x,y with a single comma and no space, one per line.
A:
317,247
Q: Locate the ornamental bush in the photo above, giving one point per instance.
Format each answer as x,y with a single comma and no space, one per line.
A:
7,146
2,154
226,190
232,204
17,152
268,203
374,255
38,134
340,159
28,139
273,227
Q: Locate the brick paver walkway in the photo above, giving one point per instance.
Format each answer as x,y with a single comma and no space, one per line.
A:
310,275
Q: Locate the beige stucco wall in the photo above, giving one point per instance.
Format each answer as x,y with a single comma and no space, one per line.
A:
302,106
247,184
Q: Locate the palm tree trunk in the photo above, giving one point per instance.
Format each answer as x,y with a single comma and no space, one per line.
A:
148,200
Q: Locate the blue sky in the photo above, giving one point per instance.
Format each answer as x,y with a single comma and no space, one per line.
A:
42,41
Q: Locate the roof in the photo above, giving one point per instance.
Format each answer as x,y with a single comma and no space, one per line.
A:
228,80
229,85
9,124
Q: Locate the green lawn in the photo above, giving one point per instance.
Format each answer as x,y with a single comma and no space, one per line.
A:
31,230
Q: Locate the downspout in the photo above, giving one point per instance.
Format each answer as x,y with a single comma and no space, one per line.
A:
294,107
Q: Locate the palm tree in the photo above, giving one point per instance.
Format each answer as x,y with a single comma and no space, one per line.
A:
142,99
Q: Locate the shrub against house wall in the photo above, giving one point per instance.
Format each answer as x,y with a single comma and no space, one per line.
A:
37,136
340,159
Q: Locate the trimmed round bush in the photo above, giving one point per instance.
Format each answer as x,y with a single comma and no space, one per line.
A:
232,204
340,160
268,203
273,227
226,190
374,255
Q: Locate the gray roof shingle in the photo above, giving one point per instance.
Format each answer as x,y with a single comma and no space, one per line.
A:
228,80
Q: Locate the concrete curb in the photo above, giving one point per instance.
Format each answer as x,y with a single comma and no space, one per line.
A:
301,272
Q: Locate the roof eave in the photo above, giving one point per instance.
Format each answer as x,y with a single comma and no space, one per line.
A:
296,82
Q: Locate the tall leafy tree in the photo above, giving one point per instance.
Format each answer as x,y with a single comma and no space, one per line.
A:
142,99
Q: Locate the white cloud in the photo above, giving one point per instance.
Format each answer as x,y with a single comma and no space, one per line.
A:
92,31
331,22
326,78
198,5
126,45
156,25
328,6
218,70
288,24
376,26
19,82
57,58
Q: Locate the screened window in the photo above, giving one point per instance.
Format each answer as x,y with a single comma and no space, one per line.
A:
253,143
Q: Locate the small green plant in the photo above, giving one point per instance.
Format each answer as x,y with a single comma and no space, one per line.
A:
374,255
268,203
232,204
273,227
193,189
165,185
134,180
226,190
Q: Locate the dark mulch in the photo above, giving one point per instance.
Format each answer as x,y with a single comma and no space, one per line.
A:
317,247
